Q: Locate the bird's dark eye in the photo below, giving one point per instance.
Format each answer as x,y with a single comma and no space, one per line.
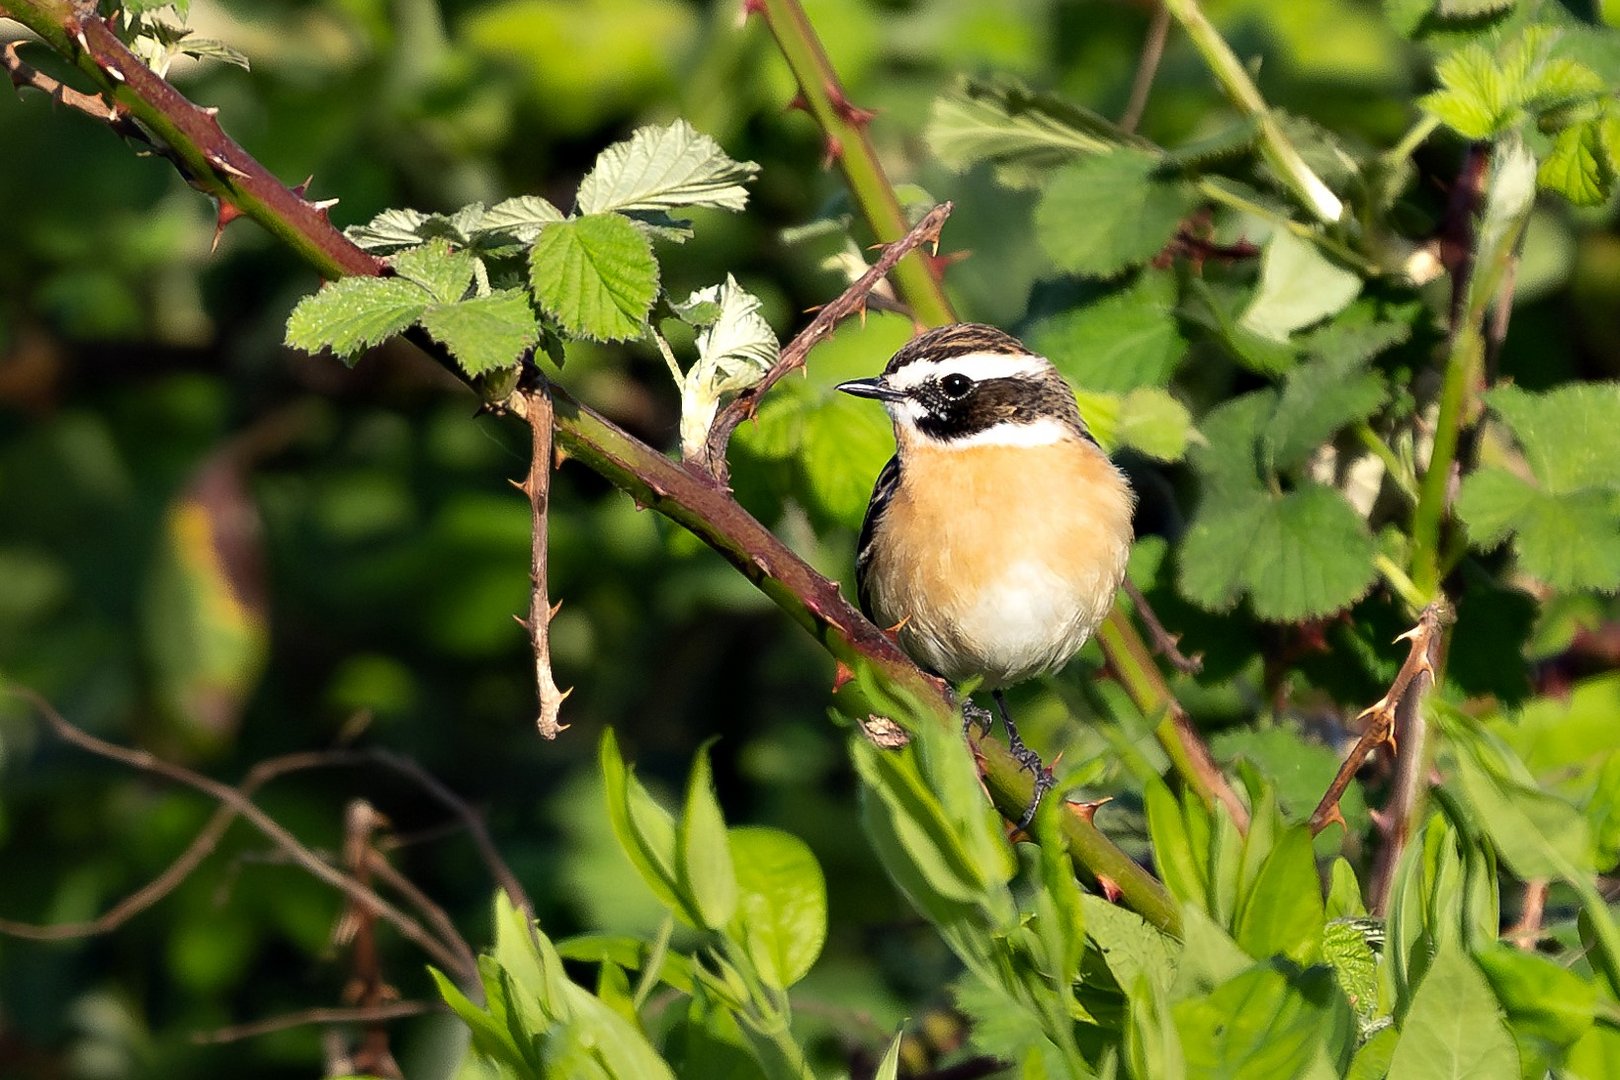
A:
956,386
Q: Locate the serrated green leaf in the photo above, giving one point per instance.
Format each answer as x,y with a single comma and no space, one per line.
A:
1346,949
486,333
1232,142
1021,131
1215,311
782,914
389,230
1258,1025
665,169
520,218
1474,97
1578,166
1110,212
596,275
1127,339
443,274
1301,555
1228,459
1565,523
1298,287
354,313
1318,400
1454,1028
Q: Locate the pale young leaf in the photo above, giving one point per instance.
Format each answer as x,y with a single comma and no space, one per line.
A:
665,169
735,350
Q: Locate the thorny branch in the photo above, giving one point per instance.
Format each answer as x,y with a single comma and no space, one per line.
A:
241,806
537,486
792,358
1164,643
1383,717
357,927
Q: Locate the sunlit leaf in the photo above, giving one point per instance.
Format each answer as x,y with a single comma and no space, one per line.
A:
782,914
665,169
1299,286
1455,1029
596,275
355,313
1110,212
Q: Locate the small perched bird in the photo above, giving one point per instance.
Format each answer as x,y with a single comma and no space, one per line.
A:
997,535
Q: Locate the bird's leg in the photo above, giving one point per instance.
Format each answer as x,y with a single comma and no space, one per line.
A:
974,716
1029,759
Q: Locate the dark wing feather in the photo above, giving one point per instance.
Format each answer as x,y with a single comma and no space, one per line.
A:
882,491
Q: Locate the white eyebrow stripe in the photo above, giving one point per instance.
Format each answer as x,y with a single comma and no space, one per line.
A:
975,366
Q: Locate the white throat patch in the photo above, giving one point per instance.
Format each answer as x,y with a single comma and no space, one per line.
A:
1045,431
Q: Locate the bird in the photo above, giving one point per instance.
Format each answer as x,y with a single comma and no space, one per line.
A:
997,535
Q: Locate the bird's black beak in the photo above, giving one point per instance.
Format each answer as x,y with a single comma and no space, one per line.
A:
872,388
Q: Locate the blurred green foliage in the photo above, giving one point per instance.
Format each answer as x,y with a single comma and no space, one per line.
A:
220,550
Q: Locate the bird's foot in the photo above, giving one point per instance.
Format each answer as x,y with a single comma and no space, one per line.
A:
975,717
1028,760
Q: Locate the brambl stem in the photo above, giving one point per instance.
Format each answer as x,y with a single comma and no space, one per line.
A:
686,497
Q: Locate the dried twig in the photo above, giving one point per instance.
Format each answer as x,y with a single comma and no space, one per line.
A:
396,1010
273,830
792,358
358,926
1527,932
1163,641
94,106
379,866
1146,68
1383,718
537,486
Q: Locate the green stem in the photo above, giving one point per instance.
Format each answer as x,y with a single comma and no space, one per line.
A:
1394,467
1399,582
1467,349
1215,191
1283,157
1415,137
845,129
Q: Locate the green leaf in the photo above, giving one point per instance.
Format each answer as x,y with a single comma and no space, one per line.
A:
1235,141
665,169
1578,166
1318,400
706,872
1345,946
391,229
845,443
1538,834
1469,9
490,1037
1474,97
354,313
782,914
1126,340
596,275
520,218
920,823
1215,310
486,333
1258,1025
1022,132
1152,421
889,1067
1543,999
1173,856
1566,522
1372,1060
1298,287
1108,213
443,274
1282,915
1454,1028
1300,555
1133,951
645,830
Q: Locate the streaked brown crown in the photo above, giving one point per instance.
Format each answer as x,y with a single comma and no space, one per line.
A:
957,339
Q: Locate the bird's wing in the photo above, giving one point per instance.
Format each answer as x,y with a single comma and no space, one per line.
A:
882,491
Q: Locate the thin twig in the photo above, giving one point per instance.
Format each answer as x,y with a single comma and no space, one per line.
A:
537,486
94,106
397,1010
358,926
1411,682
386,873
1163,641
473,821
1146,68
792,357
272,829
